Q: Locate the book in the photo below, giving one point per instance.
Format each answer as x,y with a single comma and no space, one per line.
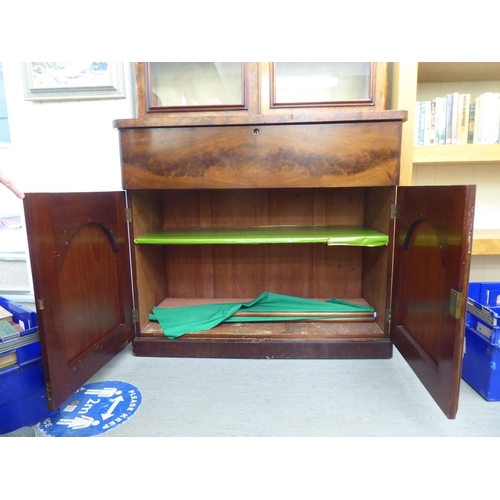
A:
449,118
421,126
431,136
477,120
472,118
454,117
491,118
440,120
487,120
427,123
416,128
463,118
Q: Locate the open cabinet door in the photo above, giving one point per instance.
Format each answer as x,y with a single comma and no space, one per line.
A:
79,253
431,274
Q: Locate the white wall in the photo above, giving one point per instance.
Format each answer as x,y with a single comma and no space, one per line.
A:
65,145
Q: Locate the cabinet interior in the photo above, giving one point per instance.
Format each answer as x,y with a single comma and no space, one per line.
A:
177,275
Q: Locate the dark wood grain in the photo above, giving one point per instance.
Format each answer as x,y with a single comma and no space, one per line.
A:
270,349
432,258
80,266
293,155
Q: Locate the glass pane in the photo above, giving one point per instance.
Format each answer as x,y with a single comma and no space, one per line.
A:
310,82
196,83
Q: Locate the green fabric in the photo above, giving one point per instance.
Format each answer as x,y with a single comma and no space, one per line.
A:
177,321
331,235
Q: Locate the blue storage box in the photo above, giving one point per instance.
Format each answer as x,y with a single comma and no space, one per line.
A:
481,365
23,401
20,315
481,361
486,293
483,310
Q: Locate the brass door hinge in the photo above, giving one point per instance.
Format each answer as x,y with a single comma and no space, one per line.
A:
394,210
48,390
128,215
135,315
456,300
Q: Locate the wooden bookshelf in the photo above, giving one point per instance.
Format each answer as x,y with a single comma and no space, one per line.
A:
407,85
429,72
486,242
457,153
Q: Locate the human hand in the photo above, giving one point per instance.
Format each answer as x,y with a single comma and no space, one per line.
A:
6,181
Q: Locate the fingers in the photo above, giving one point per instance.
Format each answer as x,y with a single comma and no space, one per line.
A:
6,181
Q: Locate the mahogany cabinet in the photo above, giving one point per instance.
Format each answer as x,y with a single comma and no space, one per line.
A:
97,276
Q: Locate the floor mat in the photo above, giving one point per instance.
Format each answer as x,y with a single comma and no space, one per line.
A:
94,409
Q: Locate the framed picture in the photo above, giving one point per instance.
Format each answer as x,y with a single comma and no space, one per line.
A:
61,81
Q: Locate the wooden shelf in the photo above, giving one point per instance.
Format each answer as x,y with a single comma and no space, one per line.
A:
458,71
459,153
486,242
331,235
293,329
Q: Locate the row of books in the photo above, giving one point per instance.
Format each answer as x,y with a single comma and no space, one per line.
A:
458,119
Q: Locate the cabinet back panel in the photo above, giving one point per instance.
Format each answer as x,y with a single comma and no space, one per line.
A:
261,207
218,271
245,271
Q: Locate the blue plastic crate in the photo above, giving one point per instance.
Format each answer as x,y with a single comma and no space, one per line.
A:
483,310
23,401
20,315
486,293
481,365
481,361
26,342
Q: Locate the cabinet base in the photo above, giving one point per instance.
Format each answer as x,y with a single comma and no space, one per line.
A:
268,348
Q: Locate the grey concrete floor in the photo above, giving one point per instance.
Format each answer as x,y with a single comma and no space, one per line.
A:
306,398
289,398
323,400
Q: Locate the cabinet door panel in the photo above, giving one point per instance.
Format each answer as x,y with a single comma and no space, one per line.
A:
431,274
81,273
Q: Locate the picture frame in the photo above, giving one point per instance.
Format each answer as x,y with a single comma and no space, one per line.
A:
63,81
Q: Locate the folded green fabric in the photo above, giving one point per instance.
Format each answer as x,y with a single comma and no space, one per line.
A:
331,235
177,321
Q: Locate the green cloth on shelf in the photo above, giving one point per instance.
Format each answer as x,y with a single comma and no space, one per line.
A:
331,235
177,321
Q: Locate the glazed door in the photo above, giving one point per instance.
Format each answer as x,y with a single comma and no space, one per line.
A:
80,264
431,274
